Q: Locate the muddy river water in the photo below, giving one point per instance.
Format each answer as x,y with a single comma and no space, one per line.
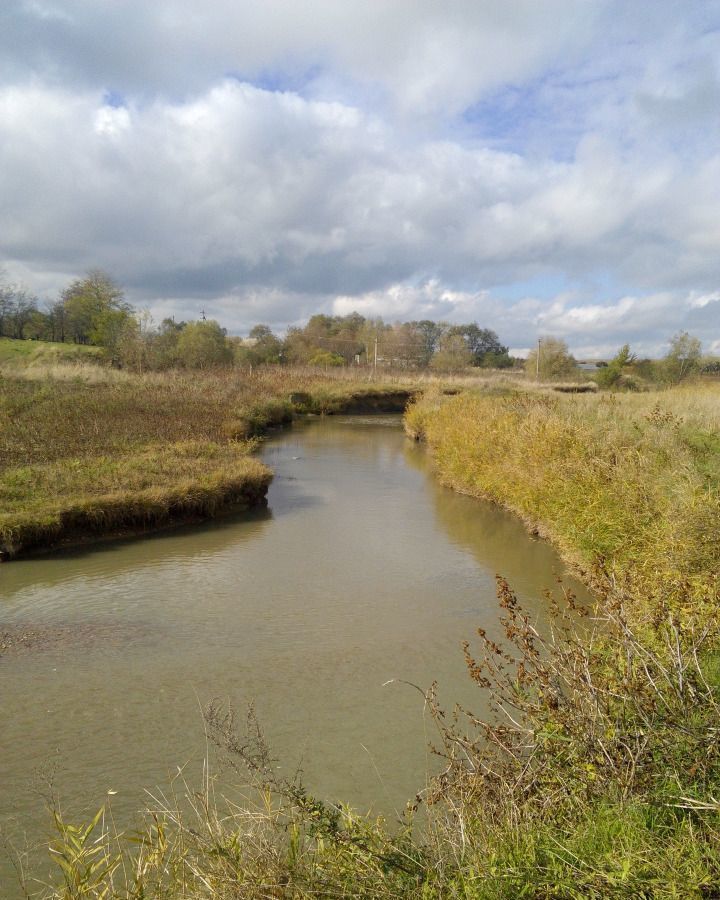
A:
361,570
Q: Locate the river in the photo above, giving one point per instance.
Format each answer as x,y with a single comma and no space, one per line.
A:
361,570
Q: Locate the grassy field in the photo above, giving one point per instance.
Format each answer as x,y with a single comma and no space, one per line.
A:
15,353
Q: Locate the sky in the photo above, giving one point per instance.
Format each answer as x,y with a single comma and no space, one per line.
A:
541,168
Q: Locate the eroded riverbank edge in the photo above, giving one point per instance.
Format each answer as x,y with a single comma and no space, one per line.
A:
135,514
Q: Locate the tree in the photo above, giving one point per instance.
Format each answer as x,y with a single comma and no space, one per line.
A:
267,347
38,327
136,346
684,355
165,343
429,334
453,354
202,345
481,342
610,375
95,310
57,317
493,360
555,360
18,310
7,307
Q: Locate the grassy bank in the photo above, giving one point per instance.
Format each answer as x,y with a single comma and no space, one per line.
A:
87,451
73,500
627,486
14,353
600,771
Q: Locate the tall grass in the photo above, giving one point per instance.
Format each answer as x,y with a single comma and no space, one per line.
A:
87,450
627,486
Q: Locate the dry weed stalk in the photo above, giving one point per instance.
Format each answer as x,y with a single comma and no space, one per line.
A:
593,710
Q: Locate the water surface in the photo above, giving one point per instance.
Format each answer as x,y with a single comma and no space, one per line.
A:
361,570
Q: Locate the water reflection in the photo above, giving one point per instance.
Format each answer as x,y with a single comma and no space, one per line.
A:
497,539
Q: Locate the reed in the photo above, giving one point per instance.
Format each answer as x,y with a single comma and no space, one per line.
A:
627,486
87,451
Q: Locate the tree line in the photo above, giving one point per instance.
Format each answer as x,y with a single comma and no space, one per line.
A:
93,310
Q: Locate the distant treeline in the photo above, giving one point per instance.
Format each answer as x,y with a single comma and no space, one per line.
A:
93,310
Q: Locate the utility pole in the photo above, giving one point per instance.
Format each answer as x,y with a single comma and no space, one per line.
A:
202,313
375,365
537,361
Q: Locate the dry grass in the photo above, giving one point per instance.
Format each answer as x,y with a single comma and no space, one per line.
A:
627,486
75,500
87,450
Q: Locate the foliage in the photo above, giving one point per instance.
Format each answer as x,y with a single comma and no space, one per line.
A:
482,343
92,310
453,354
610,375
19,316
550,360
592,774
326,358
497,360
202,345
84,858
683,358
95,310
263,348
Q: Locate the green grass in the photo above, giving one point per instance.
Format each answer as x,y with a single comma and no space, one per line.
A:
31,353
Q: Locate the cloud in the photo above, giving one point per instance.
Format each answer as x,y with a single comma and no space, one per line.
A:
417,55
267,161
591,329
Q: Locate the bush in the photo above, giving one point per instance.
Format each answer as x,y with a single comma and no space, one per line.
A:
555,360
326,358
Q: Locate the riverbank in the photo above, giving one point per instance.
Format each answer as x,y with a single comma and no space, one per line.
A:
627,486
88,452
599,772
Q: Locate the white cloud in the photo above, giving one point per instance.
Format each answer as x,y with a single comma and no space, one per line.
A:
419,55
111,121
420,161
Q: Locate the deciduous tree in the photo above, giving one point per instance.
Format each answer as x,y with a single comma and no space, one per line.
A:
551,360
